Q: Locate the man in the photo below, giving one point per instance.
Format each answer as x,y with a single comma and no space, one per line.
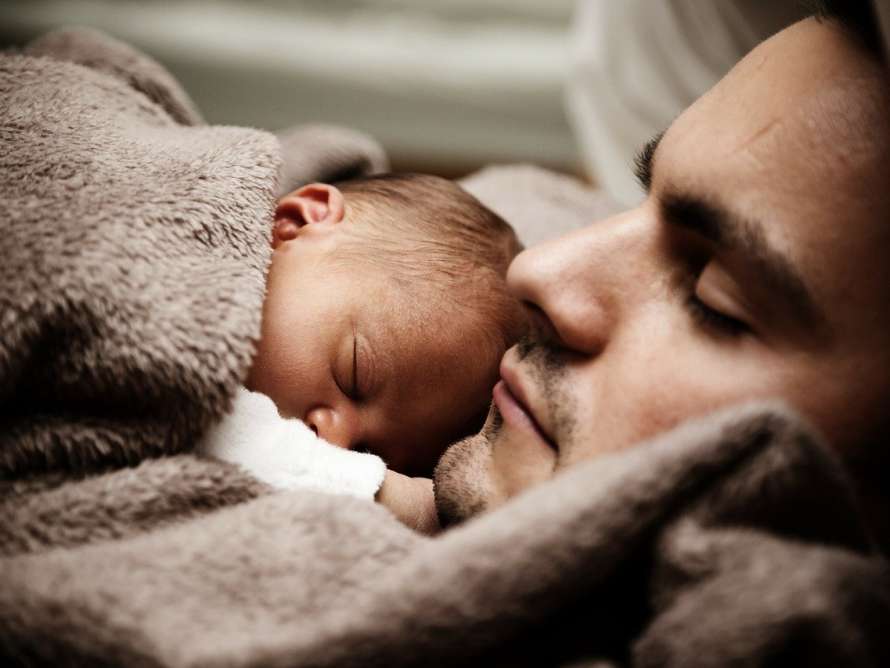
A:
756,267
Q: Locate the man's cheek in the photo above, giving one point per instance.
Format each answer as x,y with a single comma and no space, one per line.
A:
625,405
679,388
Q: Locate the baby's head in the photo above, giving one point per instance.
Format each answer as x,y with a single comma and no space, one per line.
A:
386,314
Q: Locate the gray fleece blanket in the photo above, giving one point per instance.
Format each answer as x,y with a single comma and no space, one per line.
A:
134,245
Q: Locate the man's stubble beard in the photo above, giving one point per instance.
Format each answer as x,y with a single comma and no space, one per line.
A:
547,365
462,481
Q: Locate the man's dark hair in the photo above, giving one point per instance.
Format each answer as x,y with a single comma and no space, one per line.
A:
857,17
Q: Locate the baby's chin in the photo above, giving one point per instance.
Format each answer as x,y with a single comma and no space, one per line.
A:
462,482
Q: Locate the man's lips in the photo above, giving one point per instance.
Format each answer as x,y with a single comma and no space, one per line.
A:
512,404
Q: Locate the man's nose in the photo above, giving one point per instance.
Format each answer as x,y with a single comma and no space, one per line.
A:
335,425
578,285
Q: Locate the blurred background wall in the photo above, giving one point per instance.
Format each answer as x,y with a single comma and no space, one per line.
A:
445,85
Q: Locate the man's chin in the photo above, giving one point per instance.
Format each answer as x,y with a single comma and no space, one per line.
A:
461,481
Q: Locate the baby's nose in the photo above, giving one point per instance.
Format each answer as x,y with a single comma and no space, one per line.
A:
334,426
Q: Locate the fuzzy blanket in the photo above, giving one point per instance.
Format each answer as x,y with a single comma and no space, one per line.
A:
134,242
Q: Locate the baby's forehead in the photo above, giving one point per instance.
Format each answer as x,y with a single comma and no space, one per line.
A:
437,341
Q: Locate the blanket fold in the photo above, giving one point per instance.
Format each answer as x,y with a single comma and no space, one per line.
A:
659,555
134,255
135,242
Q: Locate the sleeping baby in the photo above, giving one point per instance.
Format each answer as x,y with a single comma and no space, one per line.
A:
386,315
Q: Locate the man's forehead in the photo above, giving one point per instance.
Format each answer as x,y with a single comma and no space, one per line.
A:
808,84
799,127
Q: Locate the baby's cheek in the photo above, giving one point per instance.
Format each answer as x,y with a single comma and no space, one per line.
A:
269,374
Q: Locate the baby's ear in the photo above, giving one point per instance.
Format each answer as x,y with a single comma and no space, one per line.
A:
315,204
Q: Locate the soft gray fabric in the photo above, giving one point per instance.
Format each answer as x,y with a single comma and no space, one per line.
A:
134,249
538,203
101,53
135,243
337,154
731,541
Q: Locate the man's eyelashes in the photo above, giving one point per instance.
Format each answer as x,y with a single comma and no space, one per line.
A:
714,320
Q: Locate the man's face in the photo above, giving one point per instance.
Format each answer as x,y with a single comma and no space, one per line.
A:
341,350
756,267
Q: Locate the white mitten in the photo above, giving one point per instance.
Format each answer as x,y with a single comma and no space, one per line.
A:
286,453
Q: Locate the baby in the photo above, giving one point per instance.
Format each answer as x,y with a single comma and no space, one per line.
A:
386,315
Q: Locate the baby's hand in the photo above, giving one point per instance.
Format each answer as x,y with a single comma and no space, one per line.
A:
410,500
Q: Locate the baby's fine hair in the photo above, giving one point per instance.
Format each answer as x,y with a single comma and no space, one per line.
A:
431,234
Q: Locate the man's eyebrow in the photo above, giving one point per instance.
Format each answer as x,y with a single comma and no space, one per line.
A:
735,234
644,161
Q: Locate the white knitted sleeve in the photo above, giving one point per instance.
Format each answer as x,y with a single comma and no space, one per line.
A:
286,453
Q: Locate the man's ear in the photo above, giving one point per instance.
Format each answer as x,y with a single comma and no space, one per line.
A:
316,204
